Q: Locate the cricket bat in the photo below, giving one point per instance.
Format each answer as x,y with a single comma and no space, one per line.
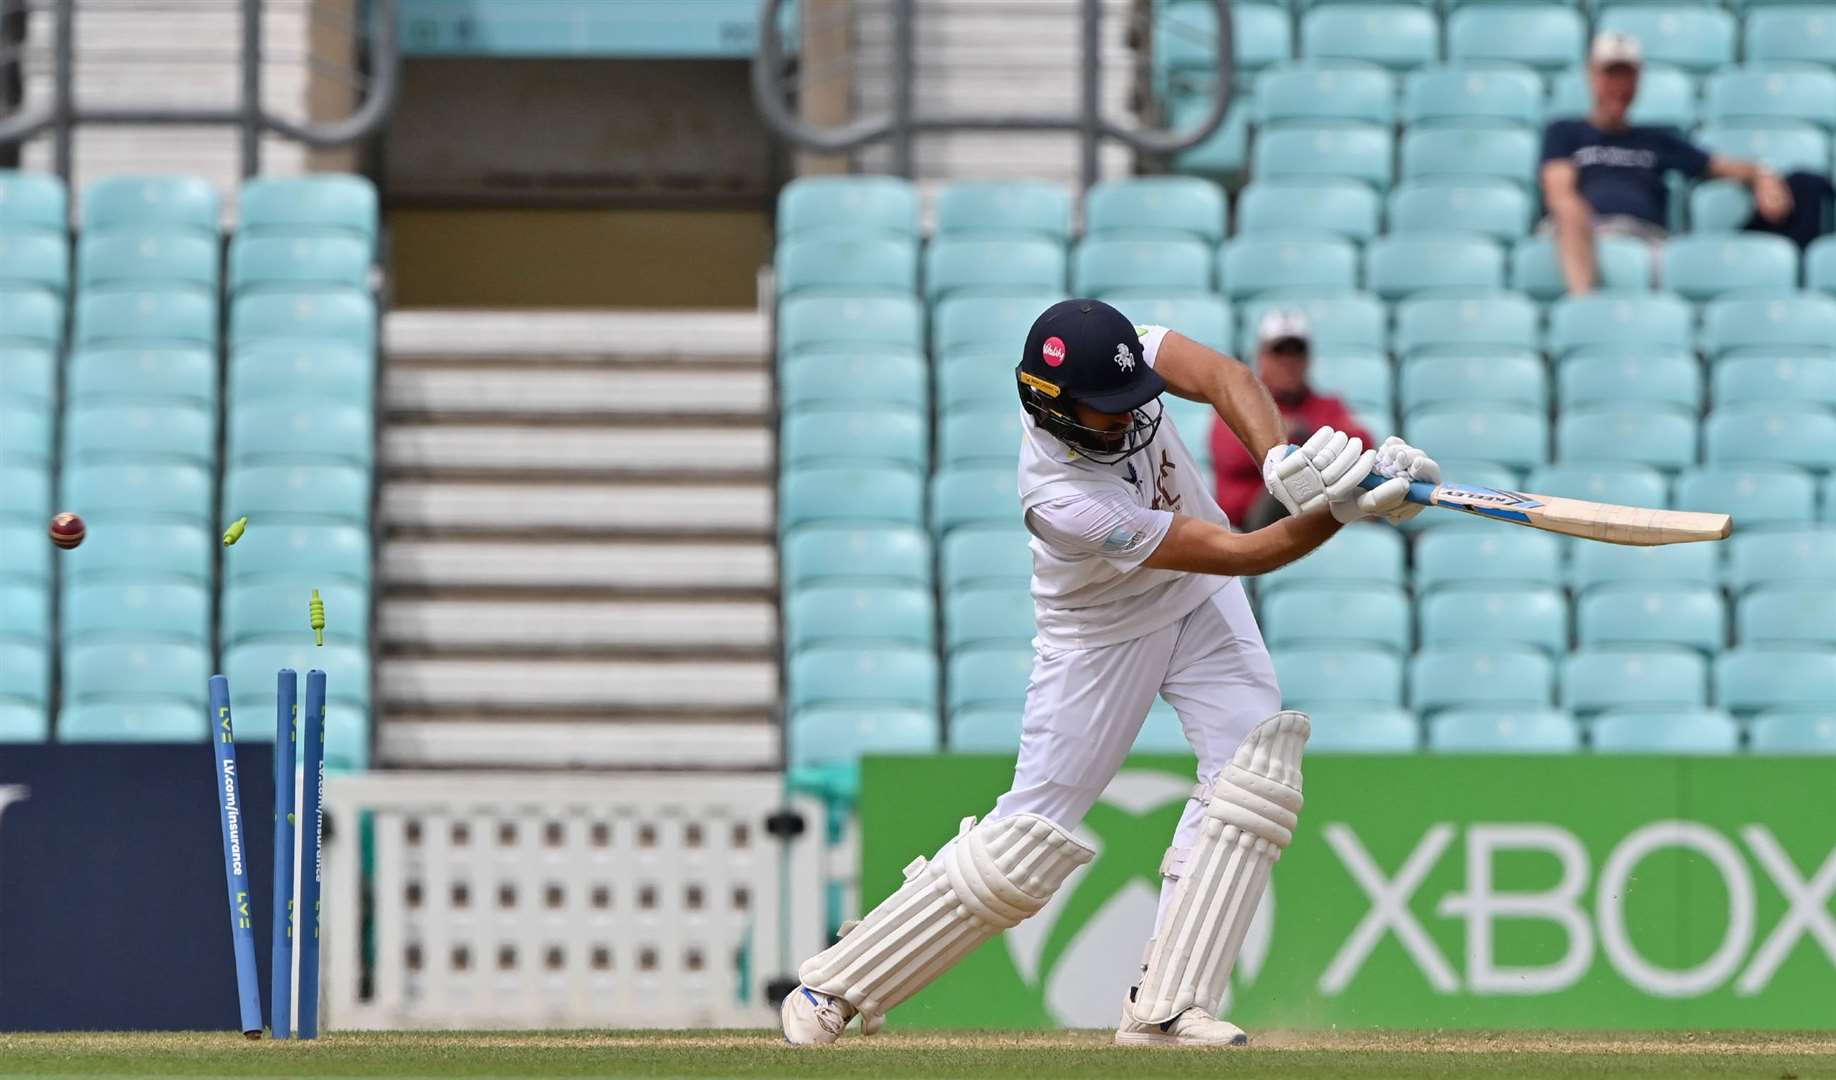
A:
1605,522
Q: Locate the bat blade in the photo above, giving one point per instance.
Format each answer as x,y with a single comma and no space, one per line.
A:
1606,522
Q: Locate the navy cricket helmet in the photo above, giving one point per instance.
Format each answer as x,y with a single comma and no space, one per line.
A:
1085,352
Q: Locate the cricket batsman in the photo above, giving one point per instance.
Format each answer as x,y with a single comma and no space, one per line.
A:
1137,592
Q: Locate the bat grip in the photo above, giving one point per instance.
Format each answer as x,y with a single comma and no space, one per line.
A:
1420,491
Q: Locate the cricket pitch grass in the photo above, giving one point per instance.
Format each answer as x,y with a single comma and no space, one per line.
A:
993,1056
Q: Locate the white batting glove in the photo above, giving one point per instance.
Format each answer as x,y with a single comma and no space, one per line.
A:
1298,477
1396,458
1349,502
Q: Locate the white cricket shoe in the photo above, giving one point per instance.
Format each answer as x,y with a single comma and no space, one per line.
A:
812,1018
1194,1027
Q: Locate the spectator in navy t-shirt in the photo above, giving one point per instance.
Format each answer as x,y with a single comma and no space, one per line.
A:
1603,175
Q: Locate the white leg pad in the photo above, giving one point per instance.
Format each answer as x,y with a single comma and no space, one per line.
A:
1248,822
990,877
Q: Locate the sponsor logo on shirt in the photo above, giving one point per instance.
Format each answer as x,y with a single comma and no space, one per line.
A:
1123,539
1622,157
1165,498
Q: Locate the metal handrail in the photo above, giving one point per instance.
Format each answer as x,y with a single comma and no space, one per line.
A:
901,123
61,114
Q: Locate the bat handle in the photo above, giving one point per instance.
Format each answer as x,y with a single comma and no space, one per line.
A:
1420,491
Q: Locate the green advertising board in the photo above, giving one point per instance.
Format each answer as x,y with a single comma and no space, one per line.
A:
1429,892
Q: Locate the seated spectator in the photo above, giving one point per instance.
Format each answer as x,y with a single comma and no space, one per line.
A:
1602,174
1282,351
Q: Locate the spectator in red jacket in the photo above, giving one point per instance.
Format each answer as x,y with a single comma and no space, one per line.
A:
1283,347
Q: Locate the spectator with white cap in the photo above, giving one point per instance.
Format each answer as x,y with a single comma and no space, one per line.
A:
1284,346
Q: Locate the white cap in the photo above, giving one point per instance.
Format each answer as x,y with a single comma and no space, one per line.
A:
1612,47
1280,324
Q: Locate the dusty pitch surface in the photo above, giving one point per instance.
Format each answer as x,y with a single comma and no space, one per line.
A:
998,1056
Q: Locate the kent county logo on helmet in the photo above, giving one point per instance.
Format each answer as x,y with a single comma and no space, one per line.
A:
1125,357
1053,351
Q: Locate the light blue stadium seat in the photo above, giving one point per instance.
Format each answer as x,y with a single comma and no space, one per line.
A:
138,202
147,316
135,669
1665,731
1786,145
289,368
1193,420
1602,481
128,487
146,259
1787,434
1766,92
1775,556
1665,380
992,730
1788,615
1343,208
33,199
1619,321
1396,36
1311,676
1203,317
1482,95
1547,38
25,434
23,723
1757,495
346,315
986,556
140,433
868,265
851,204
1496,209
25,672
1004,207
1804,322
1701,268
989,676
1186,39
28,557
1488,377
850,496
979,496
140,548
1358,555
34,258
1470,154
147,609
1681,564
857,436
1363,730
978,439
313,551
998,323
25,611
843,735
1339,614
978,266
1660,438
128,721
859,615
1639,615
1503,731
320,433
1719,206
270,608
31,316
1514,438
28,374
323,202
1325,90
1340,151
1596,679
108,375
1696,38
1666,96
295,261
1621,263
1453,557
988,616
251,670
1752,679
1223,153
869,555
1155,207
1494,614
1820,265
976,381
1460,325
1334,319
1501,677
1791,33
1102,266
25,490
849,322
869,376
1397,266
1249,265
279,492
1361,377
1793,733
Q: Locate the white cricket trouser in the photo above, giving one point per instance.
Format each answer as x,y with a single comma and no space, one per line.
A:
1084,708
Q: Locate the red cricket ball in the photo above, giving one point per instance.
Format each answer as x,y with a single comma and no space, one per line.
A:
67,531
